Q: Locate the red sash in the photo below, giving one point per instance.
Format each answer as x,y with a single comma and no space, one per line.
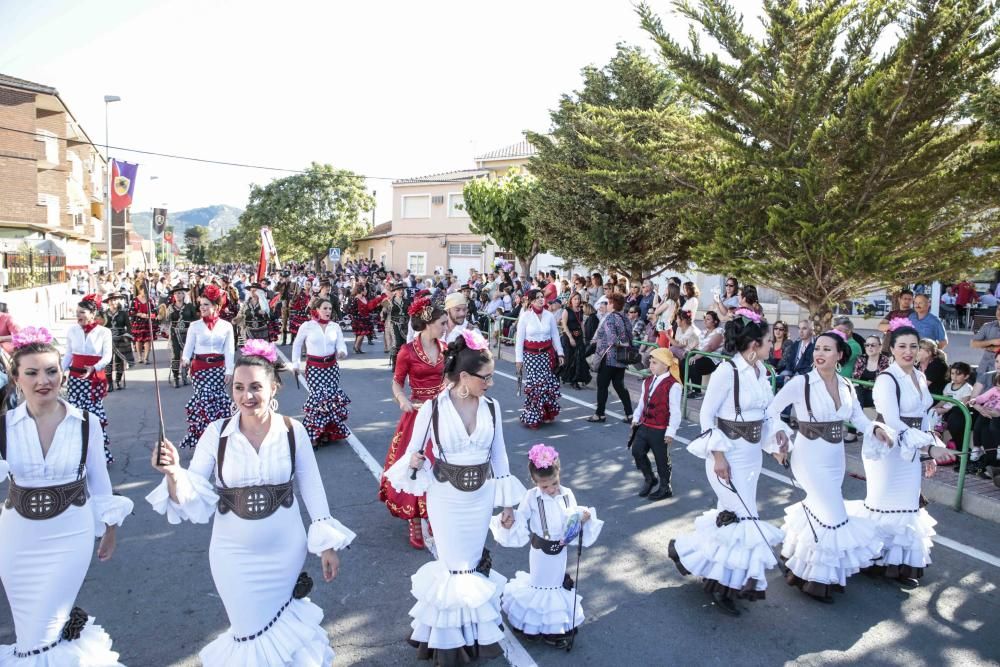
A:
539,346
205,361
98,379
322,362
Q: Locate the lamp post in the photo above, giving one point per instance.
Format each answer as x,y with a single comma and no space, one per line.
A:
108,99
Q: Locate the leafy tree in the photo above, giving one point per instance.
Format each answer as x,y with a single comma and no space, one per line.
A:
850,150
611,187
499,209
310,212
196,241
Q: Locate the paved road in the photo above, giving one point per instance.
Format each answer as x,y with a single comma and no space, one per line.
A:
157,600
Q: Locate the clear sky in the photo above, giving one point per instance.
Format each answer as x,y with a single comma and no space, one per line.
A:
385,88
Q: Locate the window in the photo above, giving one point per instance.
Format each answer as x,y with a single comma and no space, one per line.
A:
416,206
465,249
456,206
416,262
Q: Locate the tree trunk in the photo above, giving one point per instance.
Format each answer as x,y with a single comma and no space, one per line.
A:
821,315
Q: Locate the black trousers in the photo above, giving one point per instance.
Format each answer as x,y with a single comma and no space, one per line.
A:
699,368
608,375
651,439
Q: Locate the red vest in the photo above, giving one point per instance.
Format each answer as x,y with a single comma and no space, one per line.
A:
656,407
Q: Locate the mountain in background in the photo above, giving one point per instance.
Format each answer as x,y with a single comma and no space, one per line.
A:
219,219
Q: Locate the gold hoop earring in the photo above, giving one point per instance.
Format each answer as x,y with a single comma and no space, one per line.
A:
463,392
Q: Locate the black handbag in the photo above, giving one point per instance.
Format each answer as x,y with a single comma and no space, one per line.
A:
627,354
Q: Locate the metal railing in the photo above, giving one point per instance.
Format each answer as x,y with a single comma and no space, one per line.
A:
32,269
689,357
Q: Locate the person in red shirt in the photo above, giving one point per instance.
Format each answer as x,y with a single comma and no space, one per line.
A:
8,327
965,297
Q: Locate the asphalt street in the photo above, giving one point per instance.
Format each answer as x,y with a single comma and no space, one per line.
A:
157,600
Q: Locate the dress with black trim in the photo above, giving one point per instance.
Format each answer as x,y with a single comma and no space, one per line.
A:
456,618
211,352
87,392
822,545
537,347
727,548
44,559
541,601
272,623
326,408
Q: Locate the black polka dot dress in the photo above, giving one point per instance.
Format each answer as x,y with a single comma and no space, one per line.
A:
80,393
325,410
541,389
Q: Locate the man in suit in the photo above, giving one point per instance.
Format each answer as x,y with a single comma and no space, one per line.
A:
799,359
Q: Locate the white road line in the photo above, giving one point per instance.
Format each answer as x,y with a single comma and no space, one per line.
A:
512,649
965,549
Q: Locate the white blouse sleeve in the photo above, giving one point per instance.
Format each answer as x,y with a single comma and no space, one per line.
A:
554,332
786,396
519,340
399,472
189,342
509,489
325,532
196,497
229,350
341,344
674,403
105,350
300,337
887,405
108,509
591,529
67,359
720,390
520,533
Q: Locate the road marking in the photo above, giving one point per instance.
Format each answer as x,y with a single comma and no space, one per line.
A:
965,549
512,649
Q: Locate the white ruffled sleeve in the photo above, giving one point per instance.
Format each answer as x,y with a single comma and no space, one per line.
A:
508,489
108,508
196,497
592,528
520,533
710,441
328,533
773,425
399,472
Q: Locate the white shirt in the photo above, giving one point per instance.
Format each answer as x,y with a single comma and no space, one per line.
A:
536,328
691,306
456,331
823,407
755,393
557,508
98,342
319,342
673,403
912,402
218,340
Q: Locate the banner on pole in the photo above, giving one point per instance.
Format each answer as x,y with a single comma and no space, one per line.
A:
122,184
159,220
267,244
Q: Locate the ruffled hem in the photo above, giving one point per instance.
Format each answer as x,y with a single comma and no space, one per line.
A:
731,555
398,475
455,610
295,640
326,534
508,491
906,537
109,510
516,536
839,553
814,588
452,657
540,611
196,499
92,648
710,441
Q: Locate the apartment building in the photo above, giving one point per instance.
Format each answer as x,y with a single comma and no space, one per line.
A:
51,185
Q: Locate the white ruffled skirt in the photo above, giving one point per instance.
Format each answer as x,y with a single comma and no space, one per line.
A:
536,603
42,567
822,546
733,559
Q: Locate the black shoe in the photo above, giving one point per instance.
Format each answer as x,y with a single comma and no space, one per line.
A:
662,493
647,487
725,605
575,385
694,393
907,582
627,419
111,387
821,598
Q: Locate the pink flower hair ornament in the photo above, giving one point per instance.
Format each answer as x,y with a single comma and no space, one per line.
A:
31,336
747,314
256,347
897,322
474,340
837,332
543,456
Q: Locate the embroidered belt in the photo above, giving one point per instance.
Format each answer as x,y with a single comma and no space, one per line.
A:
912,422
734,429
832,432
322,362
204,361
255,502
423,393
463,478
45,502
549,547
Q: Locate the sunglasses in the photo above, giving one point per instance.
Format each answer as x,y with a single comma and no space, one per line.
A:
488,379
871,344
730,284
780,329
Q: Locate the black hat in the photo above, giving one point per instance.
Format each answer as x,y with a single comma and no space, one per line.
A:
113,296
178,288
465,287
399,284
286,273
257,286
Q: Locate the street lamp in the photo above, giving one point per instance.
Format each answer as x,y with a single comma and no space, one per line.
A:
108,99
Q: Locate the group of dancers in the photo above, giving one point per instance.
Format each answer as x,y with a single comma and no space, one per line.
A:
446,471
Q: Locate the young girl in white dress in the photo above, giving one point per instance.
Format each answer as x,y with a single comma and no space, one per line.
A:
543,604
258,543
61,499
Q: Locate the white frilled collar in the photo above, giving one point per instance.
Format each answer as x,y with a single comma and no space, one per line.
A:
21,412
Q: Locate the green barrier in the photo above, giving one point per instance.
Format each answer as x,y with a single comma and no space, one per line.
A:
713,355
963,456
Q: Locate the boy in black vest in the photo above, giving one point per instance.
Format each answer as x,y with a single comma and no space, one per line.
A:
655,422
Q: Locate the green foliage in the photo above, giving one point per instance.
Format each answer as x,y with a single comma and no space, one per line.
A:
500,209
855,144
612,181
307,213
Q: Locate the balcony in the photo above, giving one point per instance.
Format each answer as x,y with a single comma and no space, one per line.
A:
49,158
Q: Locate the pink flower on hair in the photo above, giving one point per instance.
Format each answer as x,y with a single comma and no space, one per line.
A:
542,455
474,340
898,322
256,347
838,333
748,314
31,335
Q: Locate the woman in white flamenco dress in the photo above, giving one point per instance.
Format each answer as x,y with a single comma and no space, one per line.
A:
258,545
44,559
730,548
456,618
902,399
823,546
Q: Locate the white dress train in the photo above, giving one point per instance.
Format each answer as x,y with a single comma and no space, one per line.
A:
43,562
255,563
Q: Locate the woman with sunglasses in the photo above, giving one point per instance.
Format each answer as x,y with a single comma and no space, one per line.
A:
779,343
538,352
730,299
